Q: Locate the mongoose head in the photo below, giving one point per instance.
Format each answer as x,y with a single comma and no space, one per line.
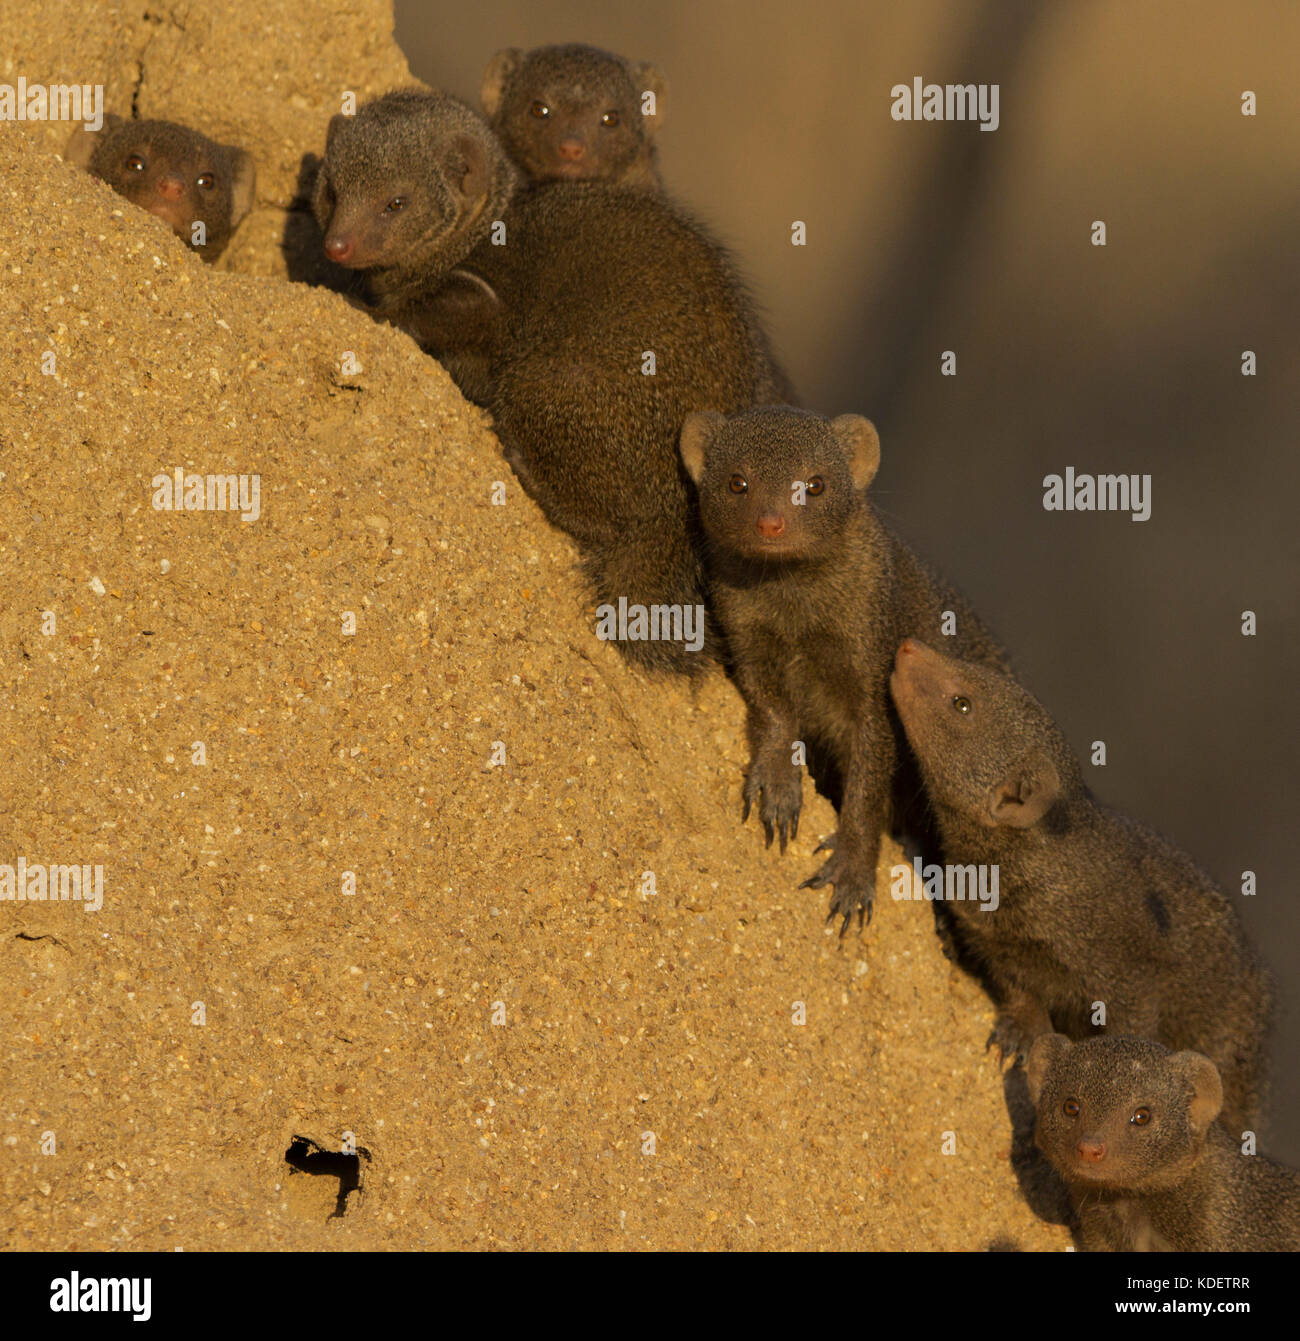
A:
409,184
1122,1113
777,484
988,750
173,172
573,111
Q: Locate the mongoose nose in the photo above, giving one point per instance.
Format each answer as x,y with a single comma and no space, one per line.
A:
771,525
1092,1152
572,149
906,648
338,248
171,188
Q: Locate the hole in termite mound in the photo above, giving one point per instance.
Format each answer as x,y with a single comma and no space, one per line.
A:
331,1177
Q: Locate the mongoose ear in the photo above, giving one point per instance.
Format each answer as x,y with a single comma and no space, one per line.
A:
646,78
1207,1088
322,196
243,185
860,440
82,145
698,429
337,121
468,167
1027,792
496,77
1045,1050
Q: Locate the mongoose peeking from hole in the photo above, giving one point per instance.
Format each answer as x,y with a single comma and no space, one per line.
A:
1094,909
814,594
173,172
575,112
1131,1128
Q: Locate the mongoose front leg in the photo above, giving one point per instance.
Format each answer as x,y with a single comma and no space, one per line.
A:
462,316
851,867
773,779
515,460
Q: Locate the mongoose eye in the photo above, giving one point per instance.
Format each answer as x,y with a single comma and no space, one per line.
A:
962,704
540,110
816,486
135,163
207,181
610,119
738,484
1141,1116
395,205
1070,1108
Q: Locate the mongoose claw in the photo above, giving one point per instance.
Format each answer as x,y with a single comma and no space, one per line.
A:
827,844
853,893
1007,1051
778,805
1011,1041
845,904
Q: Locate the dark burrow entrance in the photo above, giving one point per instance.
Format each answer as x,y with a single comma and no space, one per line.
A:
305,1156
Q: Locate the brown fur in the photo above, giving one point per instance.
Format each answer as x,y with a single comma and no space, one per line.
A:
593,278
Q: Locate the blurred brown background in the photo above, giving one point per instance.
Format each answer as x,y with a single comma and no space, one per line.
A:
925,237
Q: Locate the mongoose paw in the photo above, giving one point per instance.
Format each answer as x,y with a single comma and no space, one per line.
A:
1012,1040
778,803
948,943
854,890
517,463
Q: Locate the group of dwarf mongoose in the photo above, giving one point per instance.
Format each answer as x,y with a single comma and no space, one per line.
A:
535,255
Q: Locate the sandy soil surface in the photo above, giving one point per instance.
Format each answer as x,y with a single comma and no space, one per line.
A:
534,1044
